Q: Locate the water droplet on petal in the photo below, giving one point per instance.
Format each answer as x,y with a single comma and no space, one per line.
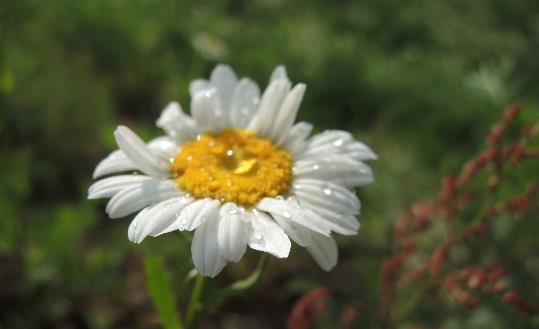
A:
257,236
286,214
338,143
327,191
316,167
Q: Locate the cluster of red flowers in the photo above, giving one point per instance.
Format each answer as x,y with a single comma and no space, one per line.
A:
464,212
429,234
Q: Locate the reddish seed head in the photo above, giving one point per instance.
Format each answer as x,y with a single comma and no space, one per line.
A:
495,134
348,316
308,308
511,113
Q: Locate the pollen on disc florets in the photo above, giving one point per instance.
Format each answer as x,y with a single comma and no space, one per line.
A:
233,166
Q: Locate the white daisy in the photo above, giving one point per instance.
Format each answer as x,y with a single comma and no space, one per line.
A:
238,172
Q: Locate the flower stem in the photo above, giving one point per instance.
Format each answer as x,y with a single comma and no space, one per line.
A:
195,305
160,290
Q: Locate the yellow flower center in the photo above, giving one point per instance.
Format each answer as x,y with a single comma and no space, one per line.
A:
232,166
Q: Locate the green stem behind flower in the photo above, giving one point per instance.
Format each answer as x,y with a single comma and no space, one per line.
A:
161,293
195,303
240,287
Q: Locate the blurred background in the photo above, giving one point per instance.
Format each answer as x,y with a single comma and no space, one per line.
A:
419,81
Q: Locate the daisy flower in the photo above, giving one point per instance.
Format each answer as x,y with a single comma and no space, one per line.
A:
238,172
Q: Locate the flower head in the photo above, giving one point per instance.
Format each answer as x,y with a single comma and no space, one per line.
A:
238,172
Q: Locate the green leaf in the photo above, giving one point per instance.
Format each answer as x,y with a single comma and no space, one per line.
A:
159,289
240,287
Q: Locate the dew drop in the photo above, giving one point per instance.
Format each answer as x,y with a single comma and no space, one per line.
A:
286,214
257,236
338,143
232,211
316,167
189,158
230,152
327,191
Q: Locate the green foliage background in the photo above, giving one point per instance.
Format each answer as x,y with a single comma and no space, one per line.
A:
419,81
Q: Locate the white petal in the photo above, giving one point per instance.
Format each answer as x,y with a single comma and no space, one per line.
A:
208,112
338,222
279,73
197,213
324,251
329,137
290,210
267,236
295,140
205,250
298,233
327,195
139,153
224,79
177,124
140,195
114,163
271,101
164,147
245,100
199,85
157,219
337,142
232,233
107,187
117,161
287,114
337,169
